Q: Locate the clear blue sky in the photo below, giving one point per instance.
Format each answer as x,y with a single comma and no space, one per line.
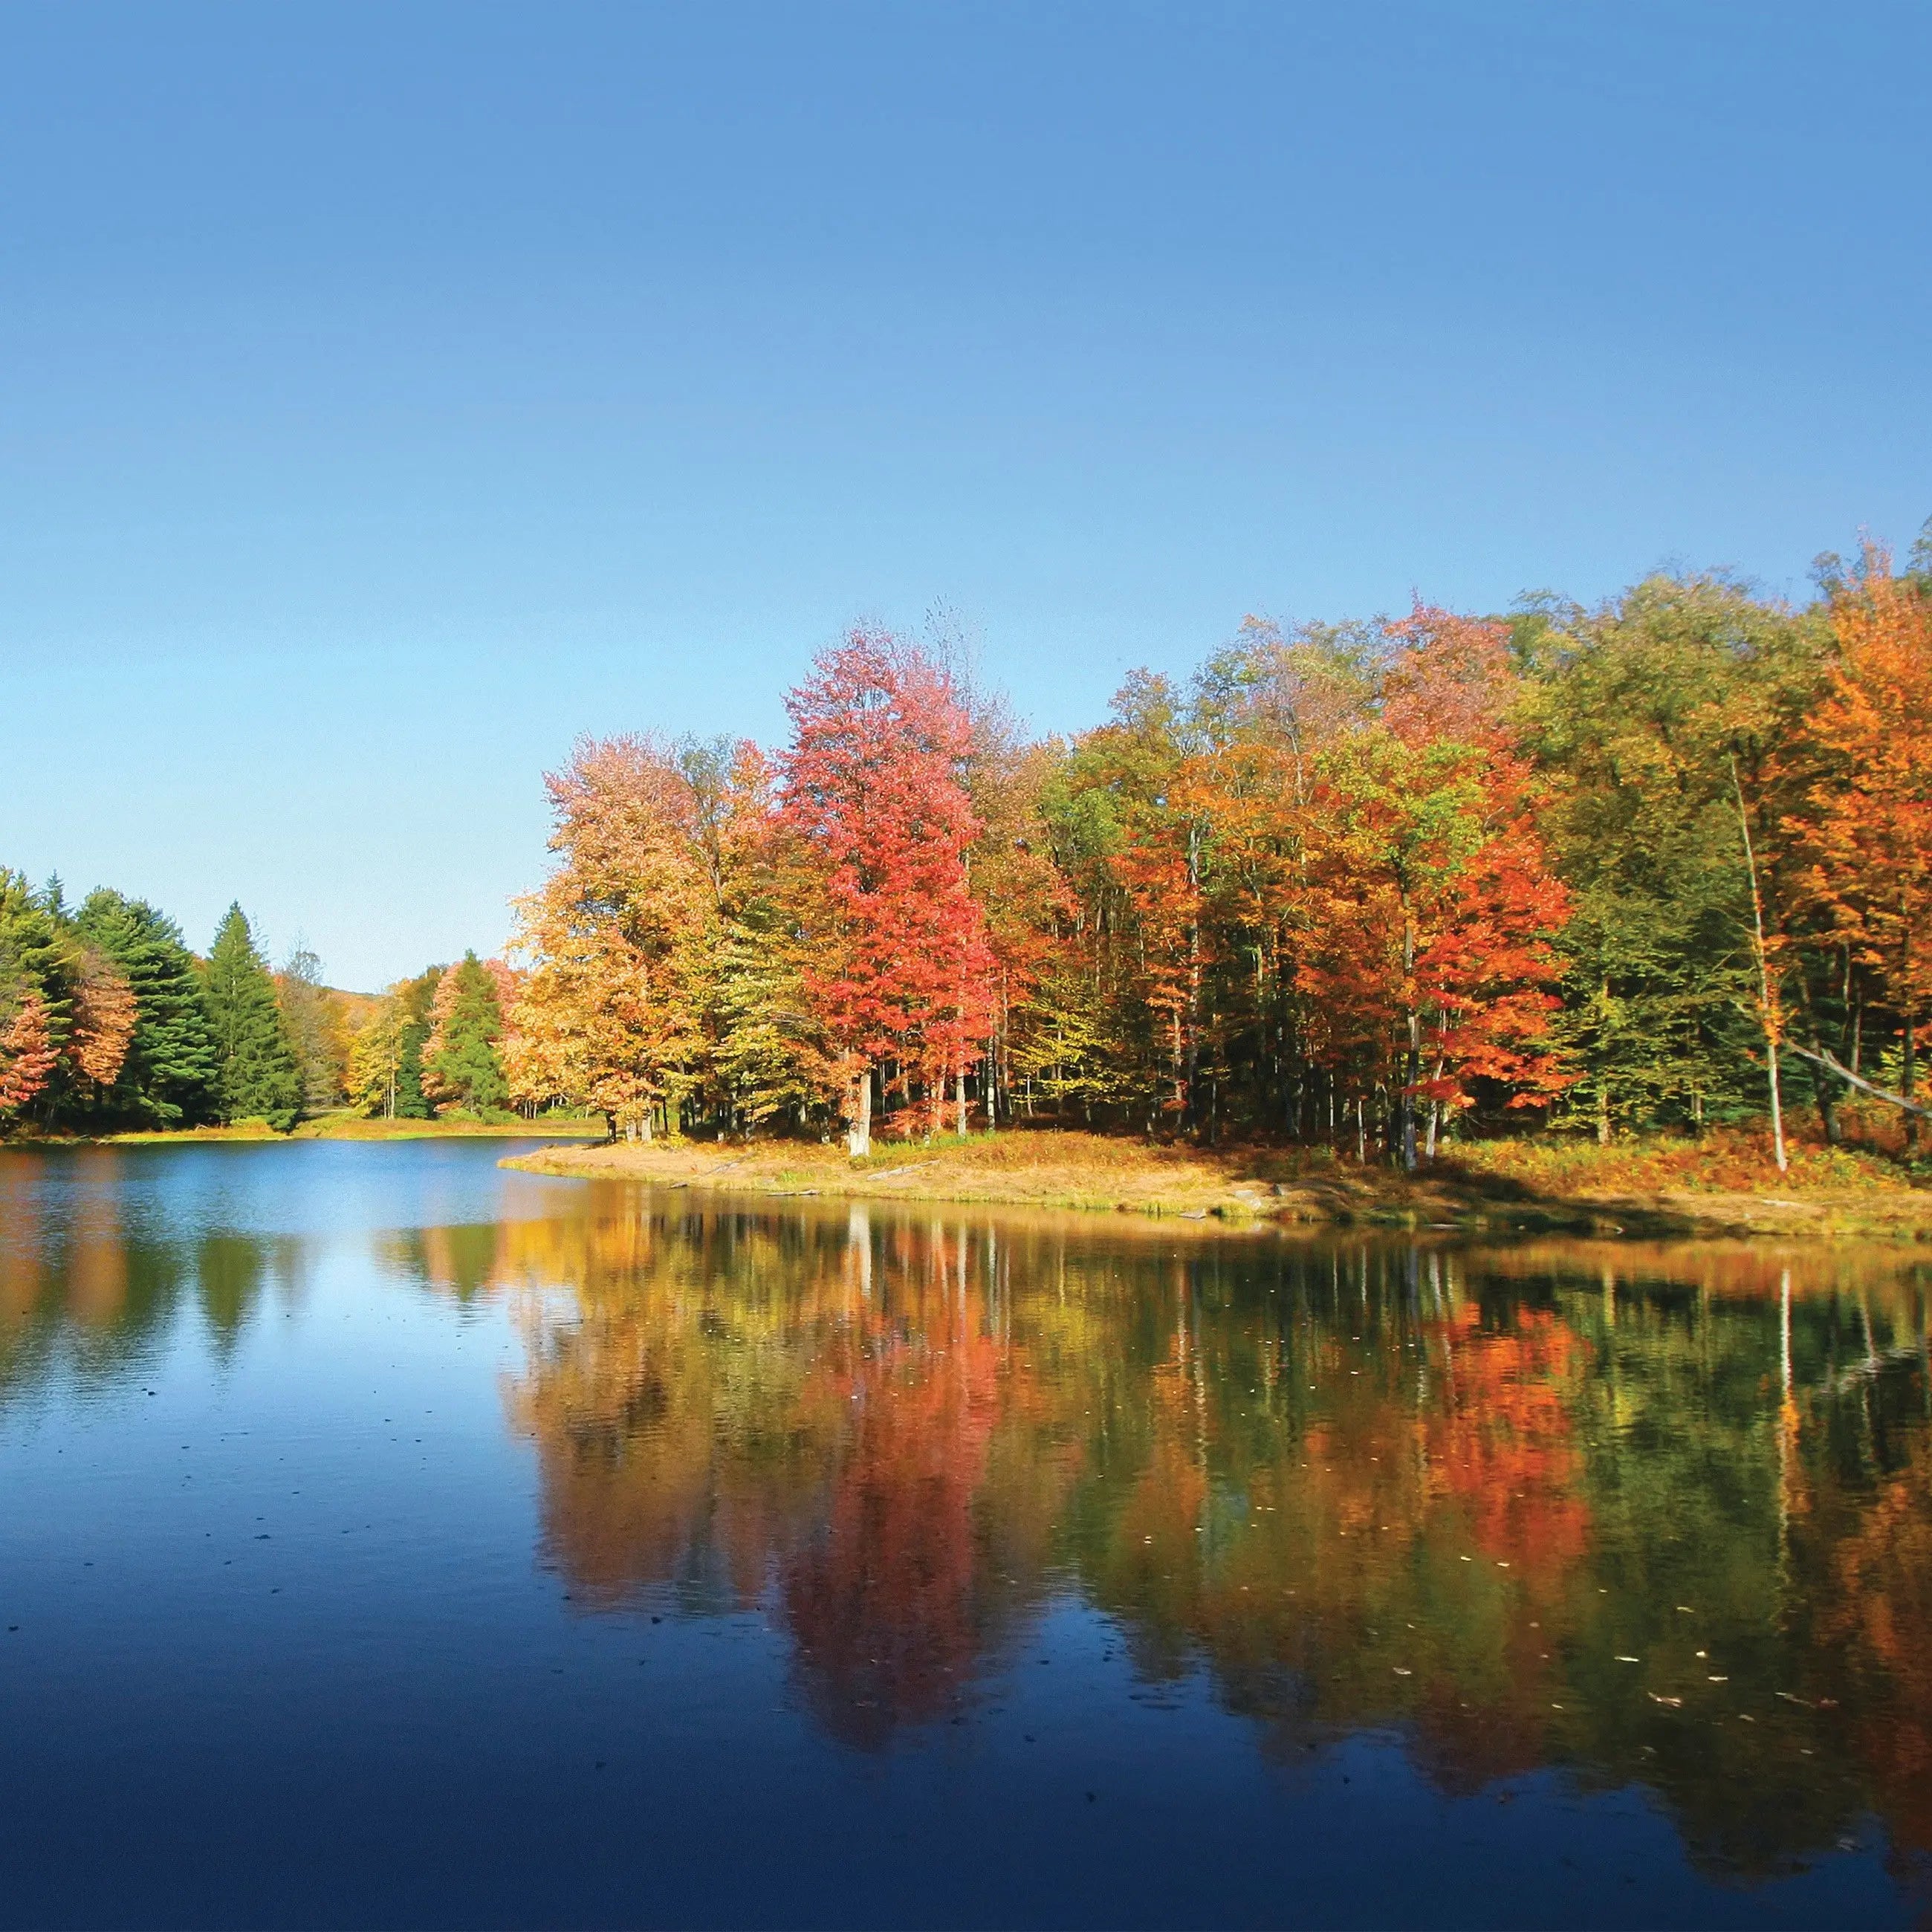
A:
389,394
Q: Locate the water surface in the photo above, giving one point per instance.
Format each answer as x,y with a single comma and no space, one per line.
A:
386,1538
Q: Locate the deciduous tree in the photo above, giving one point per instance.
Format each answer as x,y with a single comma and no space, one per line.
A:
875,788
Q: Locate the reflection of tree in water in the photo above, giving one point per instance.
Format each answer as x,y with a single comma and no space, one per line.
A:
88,1290
459,1260
741,1414
885,1594
232,1271
1356,1485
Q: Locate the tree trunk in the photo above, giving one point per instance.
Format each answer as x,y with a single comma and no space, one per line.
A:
1193,1053
859,1132
1602,1111
1770,1011
1414,1069
1828,1115
1903,1101
959,1094
1906,1085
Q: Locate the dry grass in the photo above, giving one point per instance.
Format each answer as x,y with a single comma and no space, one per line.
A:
357,1127
1054,1169
1724,1161
1725,1183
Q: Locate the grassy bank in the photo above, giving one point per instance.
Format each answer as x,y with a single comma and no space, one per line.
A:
355,1127
1720,1185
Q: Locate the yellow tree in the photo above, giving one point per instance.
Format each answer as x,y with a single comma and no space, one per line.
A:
618,940
376,1060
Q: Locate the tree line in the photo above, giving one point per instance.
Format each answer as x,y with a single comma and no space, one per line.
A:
1375,883
108,1022
1659,863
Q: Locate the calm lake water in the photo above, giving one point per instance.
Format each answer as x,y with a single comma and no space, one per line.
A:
386,1538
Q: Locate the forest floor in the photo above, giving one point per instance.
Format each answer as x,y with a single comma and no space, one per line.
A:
1724,1183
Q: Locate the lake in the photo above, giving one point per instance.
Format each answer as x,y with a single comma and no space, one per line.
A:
387,1538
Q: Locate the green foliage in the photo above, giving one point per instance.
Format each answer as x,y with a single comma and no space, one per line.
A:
1637,710
168,1077
256,1075
414,998
37,952
767,1051
314,1028
460,1067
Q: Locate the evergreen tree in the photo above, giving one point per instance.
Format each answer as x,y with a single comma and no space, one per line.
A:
168,1077
415,998
38,955
257,1076
461,1067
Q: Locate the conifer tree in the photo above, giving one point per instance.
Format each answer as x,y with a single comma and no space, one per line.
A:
257,1076
167,1077
27,1054
416,998
37,958
461,1067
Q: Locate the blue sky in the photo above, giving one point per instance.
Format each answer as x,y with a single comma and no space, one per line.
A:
389,394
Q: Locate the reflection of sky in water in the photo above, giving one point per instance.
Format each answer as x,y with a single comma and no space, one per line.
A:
828,1561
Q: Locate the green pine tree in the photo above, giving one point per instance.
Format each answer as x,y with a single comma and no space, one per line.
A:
460,1065
36,951
168,1079
256,1075
415,998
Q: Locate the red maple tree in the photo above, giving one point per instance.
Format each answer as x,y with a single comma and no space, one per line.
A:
874,785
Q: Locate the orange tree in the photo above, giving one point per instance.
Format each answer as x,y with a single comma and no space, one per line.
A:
1866,832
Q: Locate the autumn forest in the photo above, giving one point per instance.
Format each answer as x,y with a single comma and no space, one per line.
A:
1377,885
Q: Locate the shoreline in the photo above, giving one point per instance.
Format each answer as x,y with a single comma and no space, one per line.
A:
326,1127
1247,1188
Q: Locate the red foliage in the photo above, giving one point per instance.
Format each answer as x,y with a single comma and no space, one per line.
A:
875,788
27,1054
